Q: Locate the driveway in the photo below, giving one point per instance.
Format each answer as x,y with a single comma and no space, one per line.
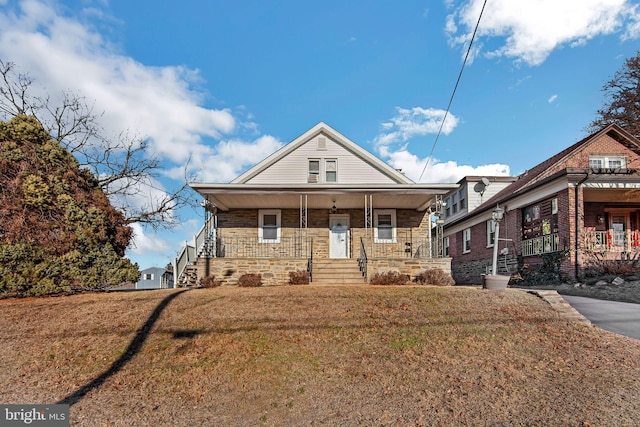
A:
620,317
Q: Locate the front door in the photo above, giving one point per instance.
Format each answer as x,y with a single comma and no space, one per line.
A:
618,227
339,236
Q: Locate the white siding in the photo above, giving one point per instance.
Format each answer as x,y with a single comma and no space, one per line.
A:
293,168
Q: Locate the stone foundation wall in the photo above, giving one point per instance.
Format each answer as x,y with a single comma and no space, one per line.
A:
274,271
411,267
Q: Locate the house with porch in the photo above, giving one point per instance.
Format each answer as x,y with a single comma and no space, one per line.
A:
321,204
585,200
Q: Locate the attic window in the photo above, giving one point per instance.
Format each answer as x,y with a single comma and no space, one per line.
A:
314,170
611,162
322,143
331,170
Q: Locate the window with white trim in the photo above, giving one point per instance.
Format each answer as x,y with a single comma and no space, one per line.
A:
491,232
148,276
463,200
454,203
385,225
612,162
331,170
269,226
446,246
314,168
466,240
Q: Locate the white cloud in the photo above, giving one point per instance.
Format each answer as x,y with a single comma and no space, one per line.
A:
411,123
145,244
439,171
533,29
231,157
552,99
62,52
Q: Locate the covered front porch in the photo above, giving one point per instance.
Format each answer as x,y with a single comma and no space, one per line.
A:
302,226
611,218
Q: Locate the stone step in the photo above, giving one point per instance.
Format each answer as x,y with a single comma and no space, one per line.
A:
336,272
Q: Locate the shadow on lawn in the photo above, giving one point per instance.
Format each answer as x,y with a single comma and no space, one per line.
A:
133,348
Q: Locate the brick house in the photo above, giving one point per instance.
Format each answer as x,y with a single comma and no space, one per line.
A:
585,199
320,204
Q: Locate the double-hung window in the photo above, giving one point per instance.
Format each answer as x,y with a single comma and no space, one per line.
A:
466,240
269,226
314,170
612,162
331,170
385,225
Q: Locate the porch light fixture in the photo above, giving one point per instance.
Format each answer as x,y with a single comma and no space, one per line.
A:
600,219
496,215
495,281
333,208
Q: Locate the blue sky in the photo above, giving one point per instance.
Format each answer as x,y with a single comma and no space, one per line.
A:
222,84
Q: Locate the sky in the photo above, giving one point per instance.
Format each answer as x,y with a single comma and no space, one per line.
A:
216,86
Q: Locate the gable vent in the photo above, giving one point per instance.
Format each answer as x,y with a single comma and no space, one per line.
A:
322,143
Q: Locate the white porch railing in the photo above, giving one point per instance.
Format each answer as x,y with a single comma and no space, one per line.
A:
612,241
187,256
539,245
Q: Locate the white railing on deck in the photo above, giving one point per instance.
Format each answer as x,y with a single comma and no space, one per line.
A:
540,245
612,241
186,256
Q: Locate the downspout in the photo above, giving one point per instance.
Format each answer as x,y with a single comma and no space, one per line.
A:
577,216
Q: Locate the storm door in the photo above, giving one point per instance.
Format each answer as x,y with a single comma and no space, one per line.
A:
339,236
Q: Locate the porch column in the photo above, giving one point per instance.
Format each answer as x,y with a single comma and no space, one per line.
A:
368,215
304,222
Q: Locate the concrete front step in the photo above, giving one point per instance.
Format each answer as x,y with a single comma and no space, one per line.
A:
336,272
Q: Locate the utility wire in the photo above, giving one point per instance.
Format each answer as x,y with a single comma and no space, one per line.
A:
454,92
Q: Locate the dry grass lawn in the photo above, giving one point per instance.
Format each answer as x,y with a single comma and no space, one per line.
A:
306,355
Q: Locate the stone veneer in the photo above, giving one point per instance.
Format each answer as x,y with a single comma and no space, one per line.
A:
412,225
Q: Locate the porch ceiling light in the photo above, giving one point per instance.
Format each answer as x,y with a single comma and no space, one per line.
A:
333,208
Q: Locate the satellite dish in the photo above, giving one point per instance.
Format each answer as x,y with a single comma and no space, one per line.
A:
481,186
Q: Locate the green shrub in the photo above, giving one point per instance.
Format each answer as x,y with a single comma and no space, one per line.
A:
435,276
299,277
210,282
389,278
250,280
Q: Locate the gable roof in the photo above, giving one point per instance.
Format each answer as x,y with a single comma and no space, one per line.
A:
338,138
543,172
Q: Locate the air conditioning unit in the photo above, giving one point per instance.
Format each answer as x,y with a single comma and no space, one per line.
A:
312,178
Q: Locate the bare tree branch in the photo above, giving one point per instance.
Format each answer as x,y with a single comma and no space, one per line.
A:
622,93
122,166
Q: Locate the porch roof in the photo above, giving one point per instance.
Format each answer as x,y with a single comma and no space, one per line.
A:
321,196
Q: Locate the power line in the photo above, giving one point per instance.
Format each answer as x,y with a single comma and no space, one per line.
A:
473,36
